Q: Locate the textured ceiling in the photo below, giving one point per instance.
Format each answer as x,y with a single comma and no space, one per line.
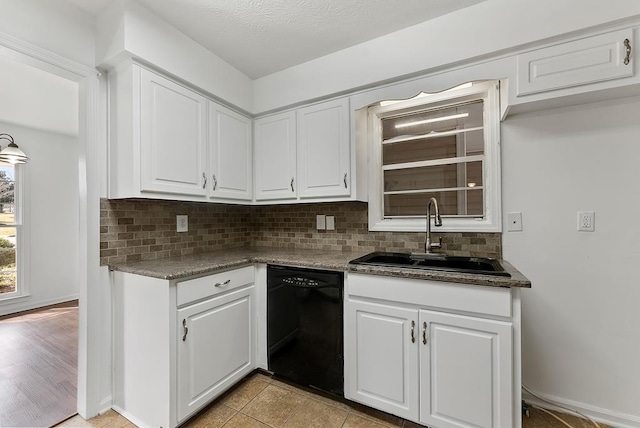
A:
260,37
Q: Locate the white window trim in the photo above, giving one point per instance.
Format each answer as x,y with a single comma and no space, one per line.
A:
492,222
23,290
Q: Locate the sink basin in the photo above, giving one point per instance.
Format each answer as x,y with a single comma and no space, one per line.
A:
440,262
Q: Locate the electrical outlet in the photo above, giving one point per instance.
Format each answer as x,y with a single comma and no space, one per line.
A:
182,223
586,221
320,222
331,222
514,222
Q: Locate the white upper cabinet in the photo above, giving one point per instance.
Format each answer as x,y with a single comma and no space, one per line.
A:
324,150
229,154
589,60
275,154
172,137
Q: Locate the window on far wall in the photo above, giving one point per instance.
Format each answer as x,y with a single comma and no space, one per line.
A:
9,229
443,145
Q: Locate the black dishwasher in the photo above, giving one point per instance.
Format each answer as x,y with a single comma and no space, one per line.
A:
305,328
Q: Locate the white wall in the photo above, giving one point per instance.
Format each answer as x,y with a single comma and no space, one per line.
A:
54,25
580,318
474,32
51,209
129,29
33,98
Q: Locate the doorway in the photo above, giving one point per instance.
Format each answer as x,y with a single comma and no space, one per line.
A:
39,347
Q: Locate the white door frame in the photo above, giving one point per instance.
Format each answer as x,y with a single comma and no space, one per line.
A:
92,143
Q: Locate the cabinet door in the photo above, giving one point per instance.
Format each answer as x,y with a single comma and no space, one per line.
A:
580,62
230,154
275,154
466,375
172,137
381,357
323,150
215,348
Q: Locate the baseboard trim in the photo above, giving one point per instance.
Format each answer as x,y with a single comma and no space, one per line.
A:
128,416
598,414
15,307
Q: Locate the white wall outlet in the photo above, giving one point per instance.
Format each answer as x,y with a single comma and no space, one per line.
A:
320,222
182,223
331,222
586,221
514,222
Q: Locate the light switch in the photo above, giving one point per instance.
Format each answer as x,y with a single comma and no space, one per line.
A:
331,222
182,223
320,222
514,221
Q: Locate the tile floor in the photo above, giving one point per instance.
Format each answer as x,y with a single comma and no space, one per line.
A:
262,402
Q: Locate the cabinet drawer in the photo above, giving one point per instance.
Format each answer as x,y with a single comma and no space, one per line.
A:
192,290
580,62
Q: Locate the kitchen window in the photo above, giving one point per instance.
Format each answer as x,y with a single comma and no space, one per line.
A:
443,145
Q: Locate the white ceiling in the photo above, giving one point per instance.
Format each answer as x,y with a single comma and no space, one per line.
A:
260,37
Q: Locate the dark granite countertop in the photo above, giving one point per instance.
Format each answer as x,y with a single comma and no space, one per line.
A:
185,266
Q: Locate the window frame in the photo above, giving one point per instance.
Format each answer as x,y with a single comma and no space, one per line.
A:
489,93
22,271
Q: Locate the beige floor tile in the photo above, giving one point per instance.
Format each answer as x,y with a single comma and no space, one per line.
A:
262,377
355,421
244,421
213,416
288,387
245,392
334,403
274,405
540,419
314,414
78,422
377,416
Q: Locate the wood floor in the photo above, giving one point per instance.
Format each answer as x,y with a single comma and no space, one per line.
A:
38,367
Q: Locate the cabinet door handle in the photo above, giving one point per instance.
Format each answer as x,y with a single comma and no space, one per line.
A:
215,182
292,189
185,329
413,336
627,57
222,284
204,177
424,333
345,180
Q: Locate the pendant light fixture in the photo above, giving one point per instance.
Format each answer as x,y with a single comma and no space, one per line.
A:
12,154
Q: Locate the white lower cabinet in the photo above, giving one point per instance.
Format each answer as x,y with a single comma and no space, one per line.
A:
431,366
180,344
215,349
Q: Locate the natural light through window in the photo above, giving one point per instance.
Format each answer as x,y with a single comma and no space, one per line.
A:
8,231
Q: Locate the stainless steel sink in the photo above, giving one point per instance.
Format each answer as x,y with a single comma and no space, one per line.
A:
440,262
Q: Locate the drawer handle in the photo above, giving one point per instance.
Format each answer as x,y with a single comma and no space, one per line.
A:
424,333
204,176
185,329
413,336
222,284
627,45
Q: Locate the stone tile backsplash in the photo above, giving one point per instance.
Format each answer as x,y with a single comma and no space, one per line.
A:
133,230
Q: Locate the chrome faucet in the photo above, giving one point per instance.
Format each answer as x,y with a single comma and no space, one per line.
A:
428,245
